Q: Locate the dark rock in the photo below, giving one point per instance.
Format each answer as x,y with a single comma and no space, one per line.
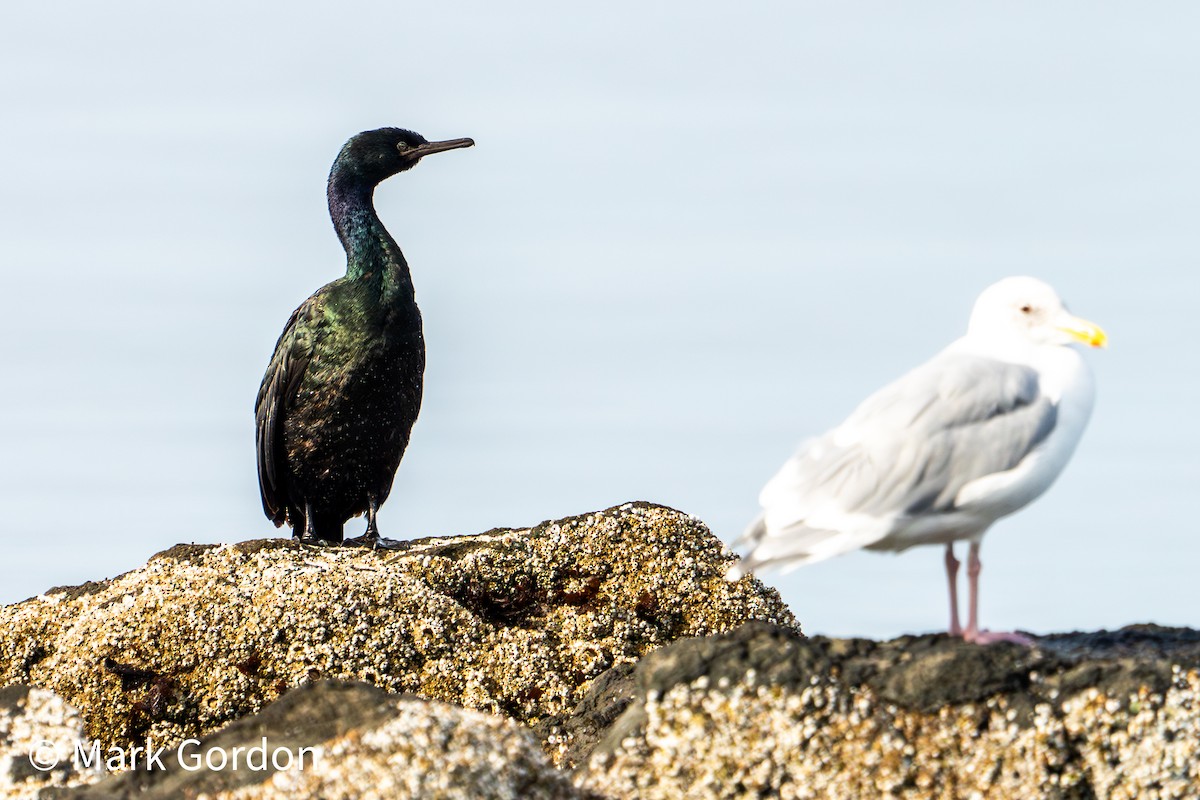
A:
581,730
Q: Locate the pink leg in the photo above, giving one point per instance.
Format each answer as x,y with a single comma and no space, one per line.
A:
972,633
974,567
952,565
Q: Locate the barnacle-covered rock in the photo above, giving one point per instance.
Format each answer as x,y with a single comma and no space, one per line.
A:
516,622
39,736
761,712
349,741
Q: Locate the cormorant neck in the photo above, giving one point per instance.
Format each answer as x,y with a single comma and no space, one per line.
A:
371,252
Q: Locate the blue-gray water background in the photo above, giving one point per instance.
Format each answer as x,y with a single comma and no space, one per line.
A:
690,236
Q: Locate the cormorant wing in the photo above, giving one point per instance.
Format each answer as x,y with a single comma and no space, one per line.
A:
275,395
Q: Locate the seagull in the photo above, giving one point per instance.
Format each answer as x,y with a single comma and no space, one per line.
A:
974,434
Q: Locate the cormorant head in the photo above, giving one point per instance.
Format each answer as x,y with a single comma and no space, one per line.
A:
379,154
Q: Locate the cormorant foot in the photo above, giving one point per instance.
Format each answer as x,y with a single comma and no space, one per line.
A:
315,541
392,544
369,540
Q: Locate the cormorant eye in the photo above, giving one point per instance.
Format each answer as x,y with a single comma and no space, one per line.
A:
402,146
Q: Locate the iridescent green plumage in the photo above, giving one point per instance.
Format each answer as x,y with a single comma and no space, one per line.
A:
343,388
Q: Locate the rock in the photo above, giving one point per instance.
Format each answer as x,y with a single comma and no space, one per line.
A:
338,740
613,636
761,711
38,736
516,622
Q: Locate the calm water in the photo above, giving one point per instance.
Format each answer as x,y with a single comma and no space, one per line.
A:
680,247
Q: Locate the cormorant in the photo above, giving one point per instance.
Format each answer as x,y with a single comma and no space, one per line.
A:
343,389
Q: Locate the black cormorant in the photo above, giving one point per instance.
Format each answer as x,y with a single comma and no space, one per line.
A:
343,388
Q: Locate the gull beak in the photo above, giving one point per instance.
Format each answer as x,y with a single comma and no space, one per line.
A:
1089,333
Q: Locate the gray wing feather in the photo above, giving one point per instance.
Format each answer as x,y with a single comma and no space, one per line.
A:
921,439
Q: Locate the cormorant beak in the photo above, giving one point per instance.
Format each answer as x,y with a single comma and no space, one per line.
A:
1089,333
429,148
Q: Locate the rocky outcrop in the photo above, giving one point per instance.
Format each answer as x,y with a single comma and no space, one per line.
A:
346,741
38,735
601,656
514,622
763,712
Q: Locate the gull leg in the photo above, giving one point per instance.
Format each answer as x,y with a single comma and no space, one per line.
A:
974,567
952,565
972,633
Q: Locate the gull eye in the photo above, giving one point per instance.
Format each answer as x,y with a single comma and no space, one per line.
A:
1026,309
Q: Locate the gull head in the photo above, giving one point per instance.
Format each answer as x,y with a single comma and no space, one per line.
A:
1024,310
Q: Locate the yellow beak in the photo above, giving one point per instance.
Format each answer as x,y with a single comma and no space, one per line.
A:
1089,333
